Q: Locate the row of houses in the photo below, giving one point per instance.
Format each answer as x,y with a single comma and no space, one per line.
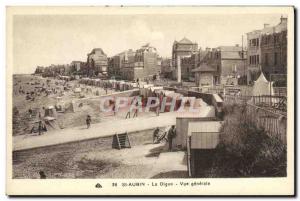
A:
143,63
224,65
211,66
95,65
266,52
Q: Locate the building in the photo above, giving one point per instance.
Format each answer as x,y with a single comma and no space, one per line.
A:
225,65
68,69
254,54
97,62
267,50
182,49
192,62
166,68
206,75
119,61
39,70
78,67
144,64
233,63
274,49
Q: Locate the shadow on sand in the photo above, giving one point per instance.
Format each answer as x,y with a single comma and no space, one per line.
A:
155,152
171,174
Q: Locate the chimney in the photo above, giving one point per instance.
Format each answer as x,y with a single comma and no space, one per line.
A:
266,25
283,19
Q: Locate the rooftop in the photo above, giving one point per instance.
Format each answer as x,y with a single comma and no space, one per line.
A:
184,41
231,52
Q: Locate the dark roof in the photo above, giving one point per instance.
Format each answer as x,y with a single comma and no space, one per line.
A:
185,41
204,68
97,49
232,52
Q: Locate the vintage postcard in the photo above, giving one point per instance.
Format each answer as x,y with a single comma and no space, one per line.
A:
150,101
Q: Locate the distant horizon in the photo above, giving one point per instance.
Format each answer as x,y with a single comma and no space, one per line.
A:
42,40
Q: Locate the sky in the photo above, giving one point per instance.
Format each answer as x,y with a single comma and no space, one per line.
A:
42,40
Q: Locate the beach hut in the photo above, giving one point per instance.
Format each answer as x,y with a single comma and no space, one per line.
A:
97,82
77,92
202,139
122,85
50,111
134,85
60,105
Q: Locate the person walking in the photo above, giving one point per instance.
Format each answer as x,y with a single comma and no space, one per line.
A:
128,114
88,121
155,135
129,111
158,106
136,110
40,128
171,136
114,108
157,110
30,112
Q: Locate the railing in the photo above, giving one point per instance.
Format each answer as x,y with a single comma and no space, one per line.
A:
268,112
273,123
236,99
274,103
280,91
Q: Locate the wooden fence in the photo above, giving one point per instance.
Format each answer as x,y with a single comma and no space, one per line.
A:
264,112
274,124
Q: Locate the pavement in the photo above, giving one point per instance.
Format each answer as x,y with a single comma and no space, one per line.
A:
102,129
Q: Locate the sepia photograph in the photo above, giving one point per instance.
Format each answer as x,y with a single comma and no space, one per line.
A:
133,99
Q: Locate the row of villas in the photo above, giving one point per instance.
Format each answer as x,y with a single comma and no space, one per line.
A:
224,65
96,65
144,63
266,52
75,68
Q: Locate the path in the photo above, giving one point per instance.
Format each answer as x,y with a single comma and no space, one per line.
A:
103,129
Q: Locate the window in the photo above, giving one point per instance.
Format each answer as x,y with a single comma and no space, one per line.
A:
254,42
275,58
257,59
266,59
